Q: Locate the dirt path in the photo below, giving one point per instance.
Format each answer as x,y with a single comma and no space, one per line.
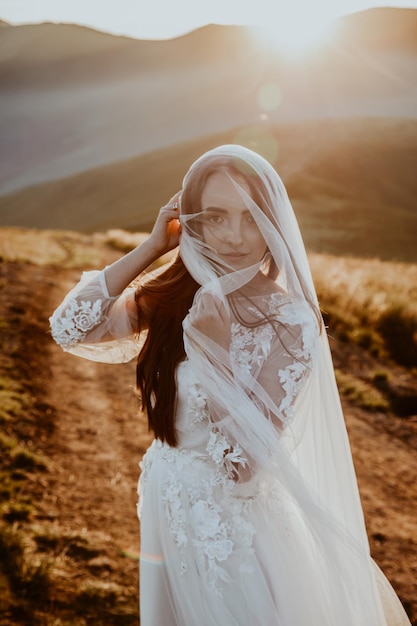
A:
84,421
97,444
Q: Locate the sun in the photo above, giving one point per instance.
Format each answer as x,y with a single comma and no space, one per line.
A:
296,35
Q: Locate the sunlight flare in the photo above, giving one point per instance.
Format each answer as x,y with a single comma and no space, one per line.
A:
296,35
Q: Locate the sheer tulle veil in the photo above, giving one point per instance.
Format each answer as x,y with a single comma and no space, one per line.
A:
300,451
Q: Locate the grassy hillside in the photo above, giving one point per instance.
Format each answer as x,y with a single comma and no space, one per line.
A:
70,438
352,183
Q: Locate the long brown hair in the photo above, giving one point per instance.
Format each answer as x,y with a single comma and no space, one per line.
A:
168,298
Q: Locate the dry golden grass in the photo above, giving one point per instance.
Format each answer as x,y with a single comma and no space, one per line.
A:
367,288
43,247
373,302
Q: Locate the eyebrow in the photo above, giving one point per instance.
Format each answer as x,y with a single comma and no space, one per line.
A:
221,210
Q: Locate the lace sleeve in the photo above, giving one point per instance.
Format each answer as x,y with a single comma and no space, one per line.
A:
91,324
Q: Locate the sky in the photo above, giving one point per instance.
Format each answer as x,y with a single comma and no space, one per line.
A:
162,19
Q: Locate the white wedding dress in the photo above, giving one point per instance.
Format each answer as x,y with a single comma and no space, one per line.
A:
209,544
214,551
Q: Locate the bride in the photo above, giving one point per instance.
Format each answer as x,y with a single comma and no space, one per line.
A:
249,506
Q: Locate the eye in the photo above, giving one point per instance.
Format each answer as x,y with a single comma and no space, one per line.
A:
250,220
214,219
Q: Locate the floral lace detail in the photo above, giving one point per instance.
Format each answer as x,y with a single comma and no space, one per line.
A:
292,376
224,455
219,525
212,539
80,317
172,500
250,346
216,525
197,405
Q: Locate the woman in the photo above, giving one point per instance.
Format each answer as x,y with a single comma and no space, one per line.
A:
250,513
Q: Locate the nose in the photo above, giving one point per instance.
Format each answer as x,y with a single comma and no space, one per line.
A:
234,234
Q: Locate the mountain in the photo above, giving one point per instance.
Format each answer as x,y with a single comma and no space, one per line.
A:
383,28
75,99
353,186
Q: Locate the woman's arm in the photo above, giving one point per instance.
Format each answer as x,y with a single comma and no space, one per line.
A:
98,318
163,238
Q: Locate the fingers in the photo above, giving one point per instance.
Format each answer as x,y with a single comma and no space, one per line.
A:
174,202
169,211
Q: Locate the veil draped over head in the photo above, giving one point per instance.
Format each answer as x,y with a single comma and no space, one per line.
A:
274,401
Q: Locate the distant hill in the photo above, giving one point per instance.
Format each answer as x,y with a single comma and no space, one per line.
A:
352,183
74,98
385,28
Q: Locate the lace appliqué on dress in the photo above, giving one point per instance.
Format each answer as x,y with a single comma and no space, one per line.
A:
301,355
79,317
219,526
197,405
250,346
201,508
226,457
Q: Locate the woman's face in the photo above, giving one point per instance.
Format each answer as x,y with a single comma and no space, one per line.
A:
228,226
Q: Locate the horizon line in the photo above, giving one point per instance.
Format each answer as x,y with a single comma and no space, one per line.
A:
186,31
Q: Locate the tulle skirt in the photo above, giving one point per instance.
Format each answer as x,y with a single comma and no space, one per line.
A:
217,553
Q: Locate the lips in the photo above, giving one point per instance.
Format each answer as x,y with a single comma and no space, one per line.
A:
235,259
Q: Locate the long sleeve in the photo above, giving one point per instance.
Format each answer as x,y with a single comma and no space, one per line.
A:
91,324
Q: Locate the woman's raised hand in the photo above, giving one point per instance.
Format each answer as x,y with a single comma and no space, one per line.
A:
165,234
164,237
